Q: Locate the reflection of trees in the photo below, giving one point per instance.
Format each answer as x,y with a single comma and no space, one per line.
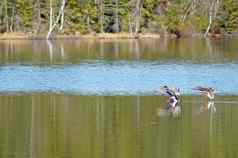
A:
101,43
48,125
137,49
21,51
211,144
218,138
116,49
215,49
50,49
138,127
169,138
55,49
32,131
62,50
187,131
8,50
191,49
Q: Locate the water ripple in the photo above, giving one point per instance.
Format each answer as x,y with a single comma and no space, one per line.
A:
118,78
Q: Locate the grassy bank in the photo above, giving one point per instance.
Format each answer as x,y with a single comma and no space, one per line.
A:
29,36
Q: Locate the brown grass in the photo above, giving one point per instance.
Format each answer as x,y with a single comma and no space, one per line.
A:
20,35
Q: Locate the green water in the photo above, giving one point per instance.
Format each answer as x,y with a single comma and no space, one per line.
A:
44,124
47,125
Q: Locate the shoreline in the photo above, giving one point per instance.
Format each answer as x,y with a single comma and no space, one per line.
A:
28,36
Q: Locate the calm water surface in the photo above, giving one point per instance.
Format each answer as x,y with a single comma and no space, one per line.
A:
99,98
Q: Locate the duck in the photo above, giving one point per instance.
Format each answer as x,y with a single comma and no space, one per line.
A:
209,92
173,95
208,106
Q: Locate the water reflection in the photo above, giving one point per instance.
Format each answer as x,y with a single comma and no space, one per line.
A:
48,125
37,124
74,51
169,111
50,49
55,49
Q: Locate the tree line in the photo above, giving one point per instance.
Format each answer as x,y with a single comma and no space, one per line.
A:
132,16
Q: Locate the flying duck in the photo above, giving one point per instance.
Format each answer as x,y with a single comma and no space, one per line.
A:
207,91
173,94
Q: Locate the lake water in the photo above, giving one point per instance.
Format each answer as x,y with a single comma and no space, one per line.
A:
99,98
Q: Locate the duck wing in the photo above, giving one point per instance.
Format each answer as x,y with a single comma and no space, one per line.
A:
167,91
202,89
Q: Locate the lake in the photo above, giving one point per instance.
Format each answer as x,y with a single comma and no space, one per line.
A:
100,98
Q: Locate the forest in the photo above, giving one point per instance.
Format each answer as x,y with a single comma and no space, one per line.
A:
69,17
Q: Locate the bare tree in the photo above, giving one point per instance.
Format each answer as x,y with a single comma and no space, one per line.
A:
13,15
191,6
137,16
53,24
116,16
130,25
88,21
62,18
213,8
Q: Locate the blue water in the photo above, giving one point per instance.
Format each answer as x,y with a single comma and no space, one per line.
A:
118,77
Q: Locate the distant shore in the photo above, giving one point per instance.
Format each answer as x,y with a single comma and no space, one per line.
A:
29,36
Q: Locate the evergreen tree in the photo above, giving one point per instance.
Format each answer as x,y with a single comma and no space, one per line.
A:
94,16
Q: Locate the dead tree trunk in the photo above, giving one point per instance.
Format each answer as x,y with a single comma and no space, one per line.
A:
88,23
137,16
51,15
62,19
13,15
116,17
60,14
190,8
213,8
130,25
